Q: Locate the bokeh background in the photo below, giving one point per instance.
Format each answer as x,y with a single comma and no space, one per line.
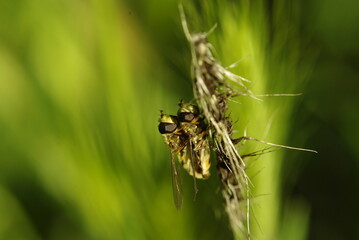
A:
81,86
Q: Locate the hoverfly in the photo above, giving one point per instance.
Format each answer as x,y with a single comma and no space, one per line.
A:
197,163
176,140
187,137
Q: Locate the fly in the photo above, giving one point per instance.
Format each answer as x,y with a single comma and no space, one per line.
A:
197,163
176,140
187,137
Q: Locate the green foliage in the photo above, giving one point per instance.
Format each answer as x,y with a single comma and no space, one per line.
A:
81,86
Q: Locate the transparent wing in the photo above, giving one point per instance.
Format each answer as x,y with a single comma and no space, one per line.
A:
176,184
192,156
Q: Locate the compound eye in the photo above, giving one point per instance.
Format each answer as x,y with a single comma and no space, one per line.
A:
167,127
186,117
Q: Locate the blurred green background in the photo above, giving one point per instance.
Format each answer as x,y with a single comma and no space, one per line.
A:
81,86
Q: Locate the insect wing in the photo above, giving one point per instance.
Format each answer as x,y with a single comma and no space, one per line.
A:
193,163
176,184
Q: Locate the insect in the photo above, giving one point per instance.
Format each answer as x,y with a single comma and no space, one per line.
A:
176,140
197,162
187,137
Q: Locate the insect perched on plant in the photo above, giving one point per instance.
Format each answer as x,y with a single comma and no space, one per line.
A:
187,137
197,162
176,140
